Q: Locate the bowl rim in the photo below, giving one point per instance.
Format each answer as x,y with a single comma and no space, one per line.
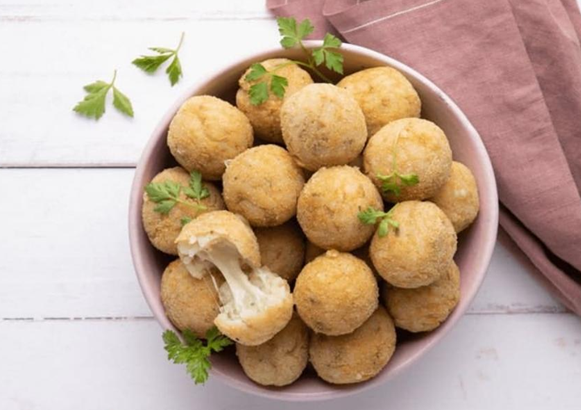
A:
136,195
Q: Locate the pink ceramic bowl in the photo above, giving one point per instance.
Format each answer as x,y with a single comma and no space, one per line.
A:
475,245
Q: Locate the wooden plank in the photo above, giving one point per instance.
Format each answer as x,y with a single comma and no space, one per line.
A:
519,361
41,86
127,10
65,251
64,245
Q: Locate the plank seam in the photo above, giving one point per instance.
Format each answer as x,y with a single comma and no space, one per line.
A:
150,318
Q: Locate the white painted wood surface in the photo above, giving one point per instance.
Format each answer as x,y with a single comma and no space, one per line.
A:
75,331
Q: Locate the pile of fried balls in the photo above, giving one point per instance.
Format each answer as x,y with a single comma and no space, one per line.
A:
276,255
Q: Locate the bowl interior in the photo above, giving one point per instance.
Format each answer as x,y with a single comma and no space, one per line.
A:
475,244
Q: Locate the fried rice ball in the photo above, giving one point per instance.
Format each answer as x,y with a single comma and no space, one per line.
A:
419,251
265,117
281,360
163,229
458,198
312,251
207,131
322,125
282,249
263,185
355,357
329,205
335,293
190,303
256,303
420,147
424,308
384,95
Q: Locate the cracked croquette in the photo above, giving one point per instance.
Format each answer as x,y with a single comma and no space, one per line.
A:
256,303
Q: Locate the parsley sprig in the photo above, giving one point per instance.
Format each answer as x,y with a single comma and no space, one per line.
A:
385,219
394,181
270,82
293,35
185,220
193,352
93,105
167,194
150,64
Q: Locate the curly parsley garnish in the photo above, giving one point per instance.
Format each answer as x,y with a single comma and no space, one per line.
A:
167,194
385,219
193,352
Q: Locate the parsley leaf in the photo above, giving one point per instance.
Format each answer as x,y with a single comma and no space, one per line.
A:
257,70
373,216
121,102
291,33
278,85
150,64
216,341
332,59
96,86
370,215
165,206
93,105
185,220
167,190
193,352
174,71
389,183
196,190
409,179
258,93
167,194
392,183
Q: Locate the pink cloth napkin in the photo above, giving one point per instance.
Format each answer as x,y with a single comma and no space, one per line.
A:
514,67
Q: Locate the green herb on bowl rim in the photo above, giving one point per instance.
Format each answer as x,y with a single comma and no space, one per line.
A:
194,352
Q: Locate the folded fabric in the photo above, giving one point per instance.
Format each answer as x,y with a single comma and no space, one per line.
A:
514,67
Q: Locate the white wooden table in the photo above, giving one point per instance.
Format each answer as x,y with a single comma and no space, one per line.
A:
75,331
